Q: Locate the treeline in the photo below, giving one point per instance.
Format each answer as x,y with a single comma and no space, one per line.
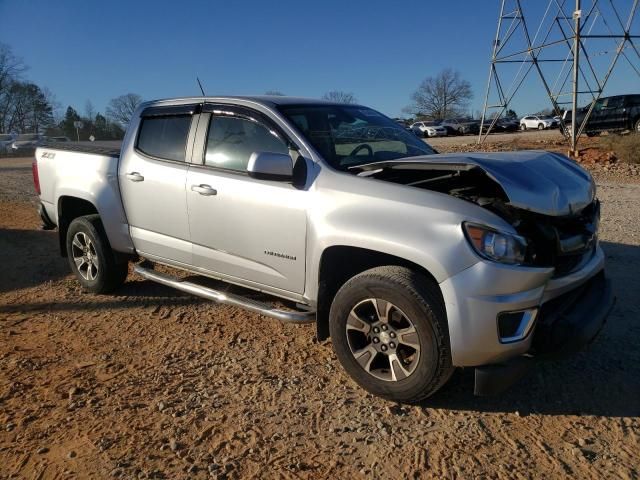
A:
28,108
93,125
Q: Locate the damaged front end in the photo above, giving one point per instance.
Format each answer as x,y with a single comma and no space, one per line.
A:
549,200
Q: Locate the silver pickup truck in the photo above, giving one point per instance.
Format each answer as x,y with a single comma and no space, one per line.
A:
413,262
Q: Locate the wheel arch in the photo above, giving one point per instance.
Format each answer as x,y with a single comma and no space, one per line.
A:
70,208
339,263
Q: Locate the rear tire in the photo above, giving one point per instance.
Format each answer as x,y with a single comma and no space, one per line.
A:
637,127
408,358
96,266
540,126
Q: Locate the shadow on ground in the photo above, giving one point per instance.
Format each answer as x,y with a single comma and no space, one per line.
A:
29,258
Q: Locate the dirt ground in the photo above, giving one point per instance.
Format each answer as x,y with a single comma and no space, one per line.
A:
150,383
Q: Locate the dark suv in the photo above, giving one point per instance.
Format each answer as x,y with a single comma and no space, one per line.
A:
610,114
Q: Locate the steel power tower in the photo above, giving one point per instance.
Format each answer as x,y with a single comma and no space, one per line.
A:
567,44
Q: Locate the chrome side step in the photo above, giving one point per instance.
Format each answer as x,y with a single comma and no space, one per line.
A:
226,298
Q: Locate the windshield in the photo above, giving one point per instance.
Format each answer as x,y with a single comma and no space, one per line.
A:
347,135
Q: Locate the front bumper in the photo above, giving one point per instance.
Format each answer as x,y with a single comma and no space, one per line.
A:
565,325
476,296
434,133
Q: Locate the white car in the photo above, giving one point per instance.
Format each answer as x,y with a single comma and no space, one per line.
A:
428,129
539,122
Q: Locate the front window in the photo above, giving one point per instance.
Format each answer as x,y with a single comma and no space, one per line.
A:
232,140
348,136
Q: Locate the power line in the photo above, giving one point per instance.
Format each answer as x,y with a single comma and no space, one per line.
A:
562,37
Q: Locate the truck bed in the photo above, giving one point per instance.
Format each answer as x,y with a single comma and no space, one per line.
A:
74,172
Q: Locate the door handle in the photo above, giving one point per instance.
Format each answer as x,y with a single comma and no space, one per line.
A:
203,189
135,177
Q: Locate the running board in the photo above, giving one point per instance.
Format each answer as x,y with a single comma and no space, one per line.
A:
226,298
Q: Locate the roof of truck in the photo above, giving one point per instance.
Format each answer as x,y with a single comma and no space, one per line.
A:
269,100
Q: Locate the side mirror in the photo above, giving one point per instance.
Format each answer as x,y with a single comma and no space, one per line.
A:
270,166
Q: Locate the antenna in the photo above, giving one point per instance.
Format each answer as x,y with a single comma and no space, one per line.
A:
200,85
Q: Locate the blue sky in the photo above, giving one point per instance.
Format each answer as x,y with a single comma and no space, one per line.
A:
379,50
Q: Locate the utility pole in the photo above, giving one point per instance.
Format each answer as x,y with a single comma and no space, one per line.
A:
573,152
554,51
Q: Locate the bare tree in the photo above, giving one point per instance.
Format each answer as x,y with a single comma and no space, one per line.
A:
29,109
11,68
445,95
120,109
339,96
277,93
56,106
89,110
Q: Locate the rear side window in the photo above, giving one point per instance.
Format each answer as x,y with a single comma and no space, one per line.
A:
164,137
232,140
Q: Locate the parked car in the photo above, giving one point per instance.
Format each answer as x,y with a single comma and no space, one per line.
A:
27,143
428,129
502,125
413,262
506,125
539,122
6,139
461,126
610,114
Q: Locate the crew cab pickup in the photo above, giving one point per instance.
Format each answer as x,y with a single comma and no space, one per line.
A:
413,262
609,114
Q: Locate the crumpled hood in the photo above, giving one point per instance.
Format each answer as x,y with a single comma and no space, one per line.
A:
538,181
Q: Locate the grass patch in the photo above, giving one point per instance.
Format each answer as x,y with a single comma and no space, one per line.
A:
625,147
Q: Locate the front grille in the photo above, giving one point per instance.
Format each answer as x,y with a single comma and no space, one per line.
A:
566,264
565,243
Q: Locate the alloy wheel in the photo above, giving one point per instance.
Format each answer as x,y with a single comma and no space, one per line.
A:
85,256
383,340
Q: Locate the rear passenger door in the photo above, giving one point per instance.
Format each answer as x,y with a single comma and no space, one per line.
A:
152,176
614,118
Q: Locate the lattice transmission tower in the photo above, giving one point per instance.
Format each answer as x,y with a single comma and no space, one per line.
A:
572,49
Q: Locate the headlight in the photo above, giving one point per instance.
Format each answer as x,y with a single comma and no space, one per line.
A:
496,246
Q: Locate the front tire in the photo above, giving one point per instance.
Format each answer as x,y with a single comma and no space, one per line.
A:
523,127
95,265
389,331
